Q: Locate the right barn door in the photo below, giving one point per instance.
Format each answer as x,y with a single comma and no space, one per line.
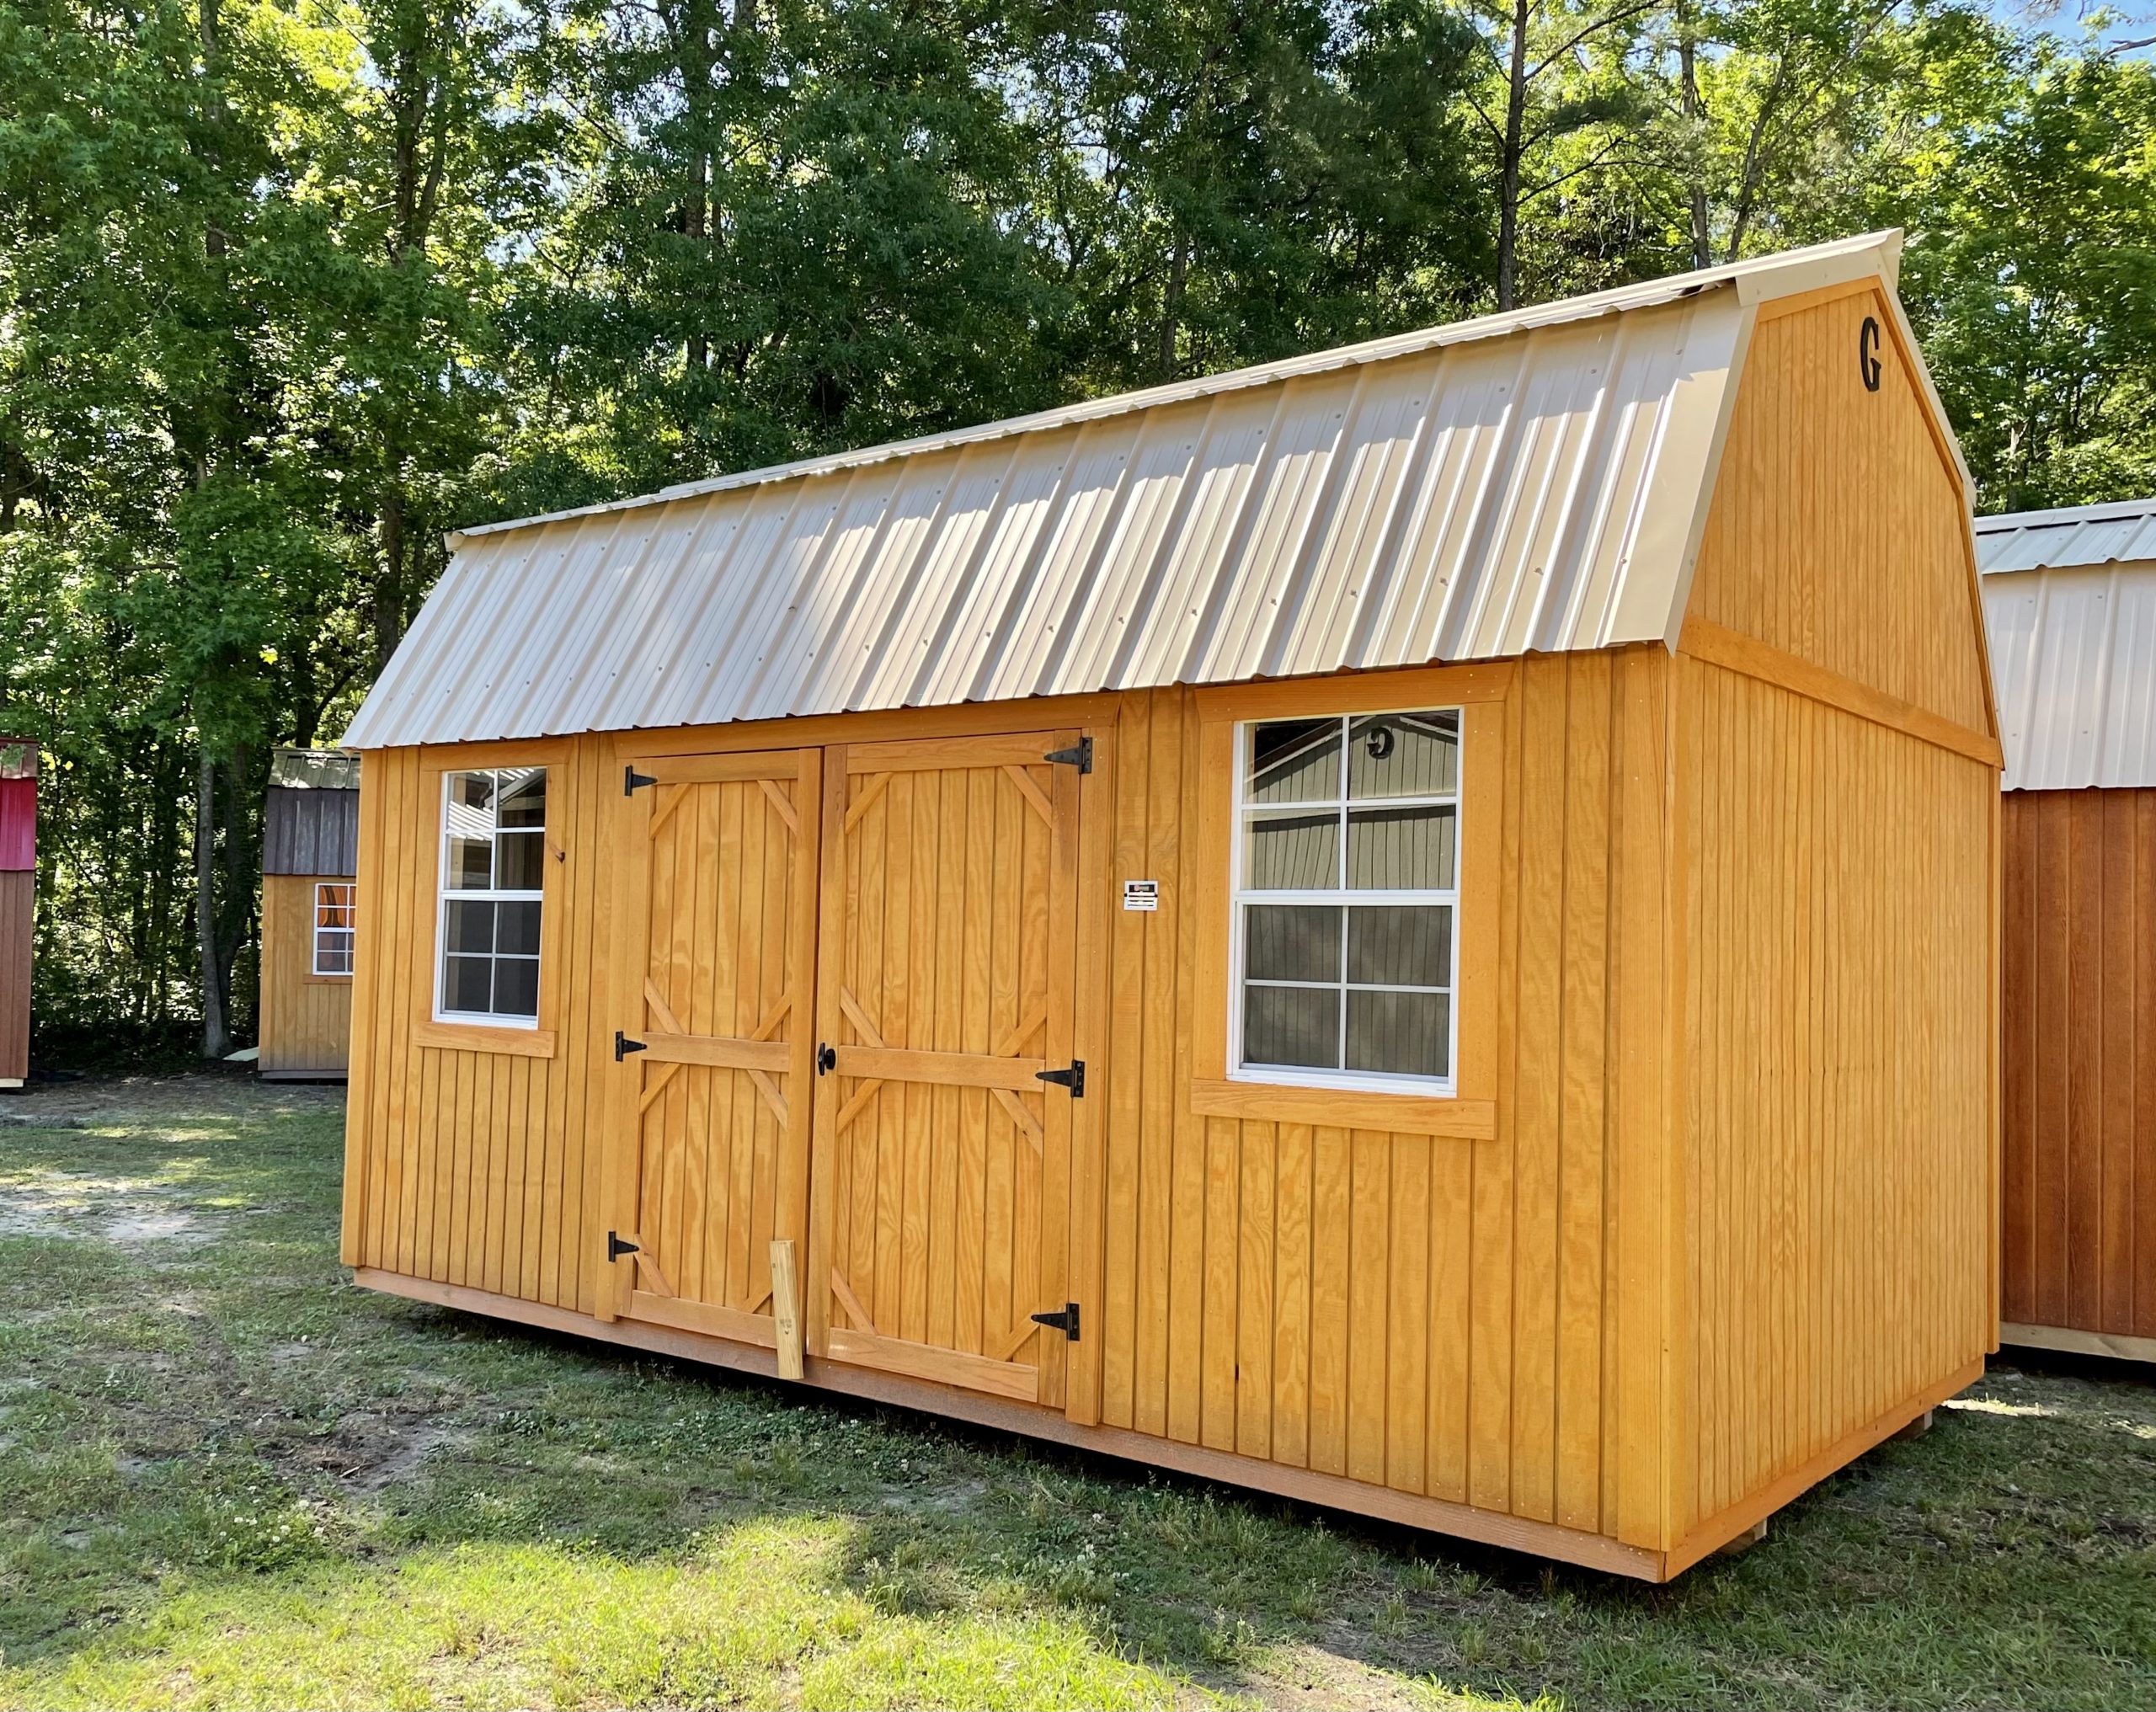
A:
944,1018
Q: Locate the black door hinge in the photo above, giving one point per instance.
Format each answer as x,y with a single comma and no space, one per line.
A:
1073,1079
631,778
827,1059
1066,1322
616,1248
1081,757
623,1046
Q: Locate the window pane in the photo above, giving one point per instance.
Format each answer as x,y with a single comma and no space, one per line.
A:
518,929
1291,942
523,798
1401,947
470,799
466,982
1295,760
1292,1025
519,862
1405,1034
1399,850
468,926
471,863
1292,852
332,953
517,986
1404,754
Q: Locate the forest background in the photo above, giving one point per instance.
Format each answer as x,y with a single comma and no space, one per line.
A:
288,288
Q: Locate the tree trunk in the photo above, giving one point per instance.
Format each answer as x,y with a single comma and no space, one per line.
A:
1515,147
389,579
217,1034
1171,307
1687,57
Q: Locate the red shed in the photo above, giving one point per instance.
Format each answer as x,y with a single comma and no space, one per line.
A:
17,899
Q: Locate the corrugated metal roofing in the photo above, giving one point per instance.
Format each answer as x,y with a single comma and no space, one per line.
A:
315,769
2070,607
1532,481
2120,533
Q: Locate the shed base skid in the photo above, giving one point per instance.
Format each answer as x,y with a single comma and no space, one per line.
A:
1437,1516
338,1075
2069,1340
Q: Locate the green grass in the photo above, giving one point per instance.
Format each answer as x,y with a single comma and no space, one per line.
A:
227,1478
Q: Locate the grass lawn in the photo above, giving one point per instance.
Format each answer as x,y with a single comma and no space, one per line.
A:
227,1478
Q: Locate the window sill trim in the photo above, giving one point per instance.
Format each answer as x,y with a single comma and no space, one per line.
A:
473,1036
1346,1108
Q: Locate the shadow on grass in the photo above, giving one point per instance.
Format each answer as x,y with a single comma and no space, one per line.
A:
228,1477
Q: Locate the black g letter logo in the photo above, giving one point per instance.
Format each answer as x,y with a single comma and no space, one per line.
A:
1867,353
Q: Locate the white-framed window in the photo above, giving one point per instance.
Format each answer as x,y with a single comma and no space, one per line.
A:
335,905
1345,888
493,856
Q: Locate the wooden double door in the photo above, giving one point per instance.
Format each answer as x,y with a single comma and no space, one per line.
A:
845,1098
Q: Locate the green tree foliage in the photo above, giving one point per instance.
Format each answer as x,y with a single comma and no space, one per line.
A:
291,288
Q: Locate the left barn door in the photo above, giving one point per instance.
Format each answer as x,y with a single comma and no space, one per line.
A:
713,1105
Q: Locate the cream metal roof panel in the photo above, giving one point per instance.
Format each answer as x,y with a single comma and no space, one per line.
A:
2122,533
2070,612
1534,480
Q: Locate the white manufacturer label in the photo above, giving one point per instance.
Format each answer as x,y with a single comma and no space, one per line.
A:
1141,894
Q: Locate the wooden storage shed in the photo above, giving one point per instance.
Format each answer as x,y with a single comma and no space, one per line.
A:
2070,598
1414,928
310,913
17,902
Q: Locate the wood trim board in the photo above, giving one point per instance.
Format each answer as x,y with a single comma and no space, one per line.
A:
2067,1340
1719,646
851,1378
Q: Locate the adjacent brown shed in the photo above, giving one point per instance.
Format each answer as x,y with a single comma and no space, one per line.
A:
1414,928
310,913
17,902
2070,598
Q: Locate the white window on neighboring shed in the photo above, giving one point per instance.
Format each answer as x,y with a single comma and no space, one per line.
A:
493,867
1345,899
336,903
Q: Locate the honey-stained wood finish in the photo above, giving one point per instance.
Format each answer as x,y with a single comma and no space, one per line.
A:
1476,1322
1708,1217
1837,1109
720,857
942,1162
1838,531
305,1027
2079,1231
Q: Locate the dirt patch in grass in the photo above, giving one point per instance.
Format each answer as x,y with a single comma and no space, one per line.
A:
228,1477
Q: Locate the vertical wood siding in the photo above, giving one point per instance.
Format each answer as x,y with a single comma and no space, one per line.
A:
1837,1104
1838,532
306,1021
2079,1250
466,1167
1477,1321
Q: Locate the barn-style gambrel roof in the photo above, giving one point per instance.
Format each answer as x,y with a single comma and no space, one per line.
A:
1537,480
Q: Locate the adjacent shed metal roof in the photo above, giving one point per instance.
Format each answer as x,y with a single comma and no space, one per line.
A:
2070,606
1530,480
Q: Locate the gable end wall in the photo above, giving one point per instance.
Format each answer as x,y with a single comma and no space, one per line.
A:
1835,893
